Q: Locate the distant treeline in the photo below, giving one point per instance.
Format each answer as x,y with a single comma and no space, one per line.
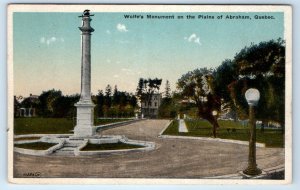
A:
52,103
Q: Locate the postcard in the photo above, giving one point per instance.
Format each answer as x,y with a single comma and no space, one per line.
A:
149,94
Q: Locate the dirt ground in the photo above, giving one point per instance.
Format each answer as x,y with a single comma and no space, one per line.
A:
172,158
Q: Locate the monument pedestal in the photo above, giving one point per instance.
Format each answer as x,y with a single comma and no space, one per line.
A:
85,120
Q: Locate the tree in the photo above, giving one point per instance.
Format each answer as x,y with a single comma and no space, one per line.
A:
63,106
46,99
116,96
140,88
167,90
119,104
198,86
17,105
100,103
261,66
107,100
168,108
169,105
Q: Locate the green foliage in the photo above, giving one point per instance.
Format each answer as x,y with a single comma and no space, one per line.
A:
167,90
147,87
194,84
260,66
263,58
168,108
51,103
63,106
224,75
99,104
47,99
118,104
198,86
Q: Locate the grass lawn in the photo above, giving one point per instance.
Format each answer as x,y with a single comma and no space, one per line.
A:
173,129
36,145
107,121
51,125
228,130
109,146
42,126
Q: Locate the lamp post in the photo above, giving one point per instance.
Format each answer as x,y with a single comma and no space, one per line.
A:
214,113
252,96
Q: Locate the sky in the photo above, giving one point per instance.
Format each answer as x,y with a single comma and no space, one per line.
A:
47,55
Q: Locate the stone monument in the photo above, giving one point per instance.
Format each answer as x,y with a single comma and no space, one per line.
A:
85,107
84,131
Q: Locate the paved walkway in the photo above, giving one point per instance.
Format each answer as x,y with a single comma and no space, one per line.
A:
182,127
172,158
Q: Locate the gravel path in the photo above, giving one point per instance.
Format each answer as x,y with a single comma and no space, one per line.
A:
172,158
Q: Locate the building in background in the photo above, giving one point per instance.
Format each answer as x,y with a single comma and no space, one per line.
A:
25,107
150,109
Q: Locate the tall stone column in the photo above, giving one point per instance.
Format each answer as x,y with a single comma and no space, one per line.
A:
85,107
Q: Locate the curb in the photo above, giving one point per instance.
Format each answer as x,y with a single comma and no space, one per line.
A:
166,126
260,145
116,124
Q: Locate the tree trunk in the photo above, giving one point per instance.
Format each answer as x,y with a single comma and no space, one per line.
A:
207,115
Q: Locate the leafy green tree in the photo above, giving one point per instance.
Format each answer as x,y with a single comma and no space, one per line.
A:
167,90
46,99
115,105
116,96
107,100
63,106
168,108
197,86
100,103
169,105
261,66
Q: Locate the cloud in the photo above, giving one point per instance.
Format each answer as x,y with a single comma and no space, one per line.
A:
107,31
193,38
50,40
116,76
121,28
197,41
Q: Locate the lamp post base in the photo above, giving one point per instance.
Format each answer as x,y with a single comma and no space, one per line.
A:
252,171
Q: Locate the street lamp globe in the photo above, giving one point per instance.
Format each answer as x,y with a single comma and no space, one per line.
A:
214,113
252,96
